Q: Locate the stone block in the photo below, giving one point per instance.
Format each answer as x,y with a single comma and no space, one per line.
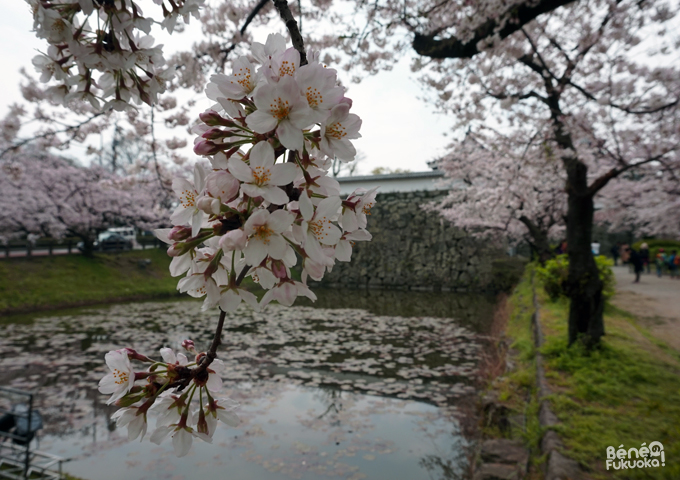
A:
497,471
501,450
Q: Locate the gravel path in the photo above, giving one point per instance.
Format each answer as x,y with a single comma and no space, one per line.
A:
655,301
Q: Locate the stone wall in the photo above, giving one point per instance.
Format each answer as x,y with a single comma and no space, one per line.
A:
416,250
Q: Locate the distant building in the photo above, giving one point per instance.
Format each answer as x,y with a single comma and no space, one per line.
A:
394,182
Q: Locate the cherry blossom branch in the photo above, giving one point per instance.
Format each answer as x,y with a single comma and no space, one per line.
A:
513,19
49,134
643,111
292,26
602,181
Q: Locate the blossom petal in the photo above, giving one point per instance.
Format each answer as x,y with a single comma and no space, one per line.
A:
289,135
261,122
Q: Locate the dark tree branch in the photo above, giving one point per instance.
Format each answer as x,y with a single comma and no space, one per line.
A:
632,111
251,16
253,13
512,20
603,180
292,26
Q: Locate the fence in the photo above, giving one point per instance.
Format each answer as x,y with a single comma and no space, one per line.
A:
19,423
68,246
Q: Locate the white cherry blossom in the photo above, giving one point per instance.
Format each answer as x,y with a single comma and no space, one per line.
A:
356,207
134,419
337,131
281,107
319,87
188,193
239,84
265,237
317,227
263,177
286,292
122,377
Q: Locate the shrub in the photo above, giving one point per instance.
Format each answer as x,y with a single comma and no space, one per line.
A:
555,272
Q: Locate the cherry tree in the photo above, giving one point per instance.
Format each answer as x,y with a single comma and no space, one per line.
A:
494,193
598,77
48,195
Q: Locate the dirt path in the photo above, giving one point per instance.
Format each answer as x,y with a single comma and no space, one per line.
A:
655,301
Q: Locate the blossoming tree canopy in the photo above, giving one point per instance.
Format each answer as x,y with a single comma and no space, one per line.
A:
45,194
494,192
596,79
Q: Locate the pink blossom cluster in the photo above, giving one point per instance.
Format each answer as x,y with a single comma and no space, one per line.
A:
257,212
186,406
103,50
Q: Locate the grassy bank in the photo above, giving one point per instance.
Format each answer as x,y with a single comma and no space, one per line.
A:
626,392
39,283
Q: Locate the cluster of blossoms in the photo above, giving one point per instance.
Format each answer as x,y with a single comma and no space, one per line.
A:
250,215
180,392
103,36
257,212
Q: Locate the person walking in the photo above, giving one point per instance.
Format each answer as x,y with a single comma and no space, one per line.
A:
615,252
636,261
644,255
595,248
625,253
673,264
660,262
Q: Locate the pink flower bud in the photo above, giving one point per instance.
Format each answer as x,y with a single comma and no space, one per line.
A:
206,148
213,119
279,269
179,233
233,240
175,250
217,133
223,185
188,345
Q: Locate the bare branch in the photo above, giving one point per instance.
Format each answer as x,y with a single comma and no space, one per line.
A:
511,20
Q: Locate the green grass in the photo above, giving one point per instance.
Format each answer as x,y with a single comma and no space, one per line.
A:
625,392
38,283
517,389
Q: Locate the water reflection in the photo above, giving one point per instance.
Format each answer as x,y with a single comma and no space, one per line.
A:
471,310
325,392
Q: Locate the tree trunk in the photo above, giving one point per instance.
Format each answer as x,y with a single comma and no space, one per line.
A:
539,241
584,287
88,247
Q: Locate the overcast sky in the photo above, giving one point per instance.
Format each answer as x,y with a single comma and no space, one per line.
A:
399,131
